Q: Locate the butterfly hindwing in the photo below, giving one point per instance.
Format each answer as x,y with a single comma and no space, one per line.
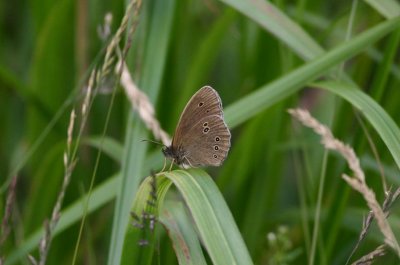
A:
210,142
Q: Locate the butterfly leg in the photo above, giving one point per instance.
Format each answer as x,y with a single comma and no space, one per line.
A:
172,163
165,164
189,165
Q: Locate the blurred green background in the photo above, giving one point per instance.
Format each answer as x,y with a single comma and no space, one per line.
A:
249,51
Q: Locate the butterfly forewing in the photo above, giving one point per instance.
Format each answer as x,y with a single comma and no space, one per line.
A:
204,103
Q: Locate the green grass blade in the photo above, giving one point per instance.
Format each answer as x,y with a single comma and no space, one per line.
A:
109,146
273,20
387,8
267,95
212,217
213,220
184,238
373,112
134,154
391,171
100,195
132,253
205,56
383,72
132,162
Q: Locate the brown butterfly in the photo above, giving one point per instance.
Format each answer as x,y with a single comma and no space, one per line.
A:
201,137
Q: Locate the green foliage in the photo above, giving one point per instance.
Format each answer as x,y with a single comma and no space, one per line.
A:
263,58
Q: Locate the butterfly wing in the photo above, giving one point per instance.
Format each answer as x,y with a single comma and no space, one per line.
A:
201,134
210,146
205,102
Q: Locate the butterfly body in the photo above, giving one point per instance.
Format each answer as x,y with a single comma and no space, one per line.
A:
201,138
175,154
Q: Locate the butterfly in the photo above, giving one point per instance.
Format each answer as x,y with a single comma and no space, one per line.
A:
202,137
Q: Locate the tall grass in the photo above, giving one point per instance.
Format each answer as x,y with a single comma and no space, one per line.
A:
279,197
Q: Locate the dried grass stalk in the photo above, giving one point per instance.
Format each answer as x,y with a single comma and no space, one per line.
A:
142,104
5,223
370,257
50,225
357,182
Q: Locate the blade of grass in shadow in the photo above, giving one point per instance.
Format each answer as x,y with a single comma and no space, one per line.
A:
132,253
102,194
134,153
37,105
256,147
184,238
373,112
323,24
109,145
383,70
269,94
11,82
391,172
205,56
273,20
387,8
172,216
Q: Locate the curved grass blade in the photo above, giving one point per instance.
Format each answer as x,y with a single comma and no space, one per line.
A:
269,94
184,238
211,216
387,8
137,230
373,112
273,20
214,221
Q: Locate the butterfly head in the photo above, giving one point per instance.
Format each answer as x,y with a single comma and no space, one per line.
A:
175,154
167,151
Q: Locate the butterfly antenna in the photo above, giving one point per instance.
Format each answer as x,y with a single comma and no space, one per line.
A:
154,142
